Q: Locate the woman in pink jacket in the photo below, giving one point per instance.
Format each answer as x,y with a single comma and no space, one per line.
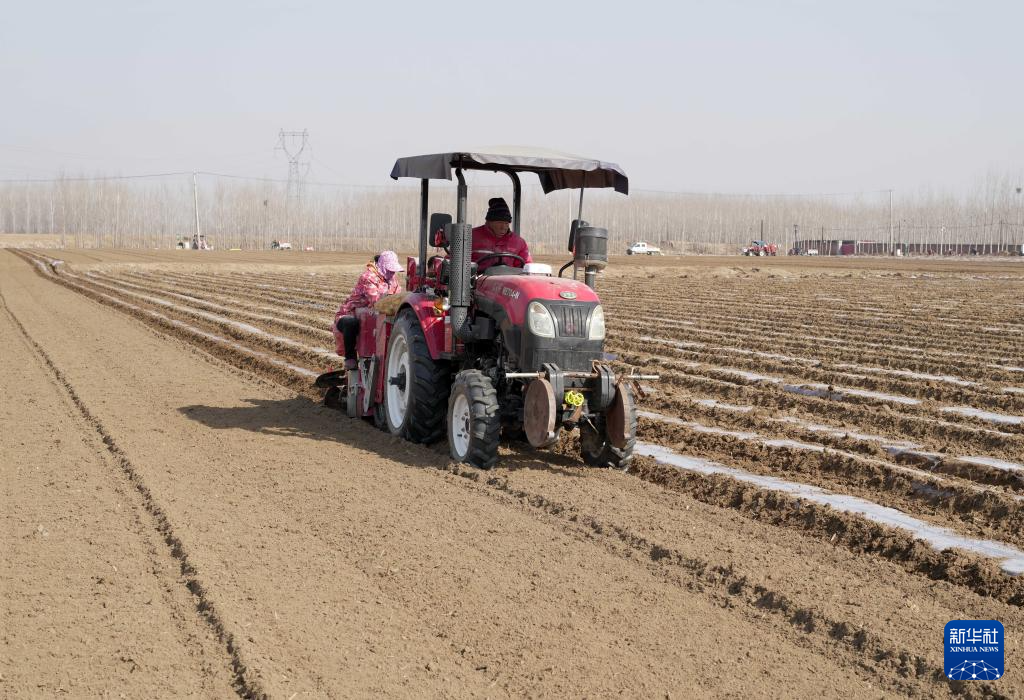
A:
379,279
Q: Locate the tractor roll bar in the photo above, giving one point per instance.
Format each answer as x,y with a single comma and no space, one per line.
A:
517,198
461,245
421,268
556,171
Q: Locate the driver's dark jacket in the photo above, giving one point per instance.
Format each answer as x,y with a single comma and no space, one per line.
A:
484,242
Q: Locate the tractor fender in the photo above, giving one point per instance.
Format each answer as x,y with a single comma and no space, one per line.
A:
432,324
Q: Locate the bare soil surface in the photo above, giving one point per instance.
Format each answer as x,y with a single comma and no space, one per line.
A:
158,418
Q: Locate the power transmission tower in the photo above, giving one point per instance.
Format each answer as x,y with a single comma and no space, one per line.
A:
295,145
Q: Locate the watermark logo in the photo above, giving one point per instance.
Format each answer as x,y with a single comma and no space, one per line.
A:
974,650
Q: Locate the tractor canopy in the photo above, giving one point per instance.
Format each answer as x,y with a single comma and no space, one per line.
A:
556,171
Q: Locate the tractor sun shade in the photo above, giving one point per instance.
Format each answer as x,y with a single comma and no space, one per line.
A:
557,171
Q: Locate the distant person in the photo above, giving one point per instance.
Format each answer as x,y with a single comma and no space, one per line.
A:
497,236
379,279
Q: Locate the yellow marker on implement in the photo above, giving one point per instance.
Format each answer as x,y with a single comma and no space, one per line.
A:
574,398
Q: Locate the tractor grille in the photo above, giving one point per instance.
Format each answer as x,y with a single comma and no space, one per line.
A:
571,319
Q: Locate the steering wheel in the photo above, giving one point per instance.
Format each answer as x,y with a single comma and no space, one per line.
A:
502,255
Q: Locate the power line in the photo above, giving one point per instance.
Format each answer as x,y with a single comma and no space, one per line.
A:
182,173
305,183
325,166
96,178
108,157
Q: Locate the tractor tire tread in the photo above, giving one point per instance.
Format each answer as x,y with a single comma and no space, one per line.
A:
430,391
484,414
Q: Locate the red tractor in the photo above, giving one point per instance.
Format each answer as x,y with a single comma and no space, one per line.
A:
761,248
514,349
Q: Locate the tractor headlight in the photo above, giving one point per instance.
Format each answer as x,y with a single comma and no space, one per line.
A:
597,323
540,321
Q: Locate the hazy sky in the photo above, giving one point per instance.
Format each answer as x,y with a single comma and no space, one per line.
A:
698,96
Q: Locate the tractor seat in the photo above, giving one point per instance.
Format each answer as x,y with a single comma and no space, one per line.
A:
496,270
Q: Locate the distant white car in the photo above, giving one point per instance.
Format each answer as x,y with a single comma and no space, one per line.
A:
280,245
642,248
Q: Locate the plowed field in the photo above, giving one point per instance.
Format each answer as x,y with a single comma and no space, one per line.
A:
831,468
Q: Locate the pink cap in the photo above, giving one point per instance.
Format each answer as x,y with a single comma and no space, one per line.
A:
388,261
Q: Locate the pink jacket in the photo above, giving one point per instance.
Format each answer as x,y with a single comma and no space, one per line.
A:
370,287
484,241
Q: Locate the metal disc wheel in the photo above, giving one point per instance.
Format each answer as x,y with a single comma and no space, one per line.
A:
460,426
396,391
474,422
352,394
540,409
607,440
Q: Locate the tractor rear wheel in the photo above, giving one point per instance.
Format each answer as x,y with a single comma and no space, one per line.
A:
474,421
416,385
595,444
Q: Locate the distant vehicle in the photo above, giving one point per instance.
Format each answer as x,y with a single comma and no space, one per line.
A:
811,251
761,248
280,245
643,248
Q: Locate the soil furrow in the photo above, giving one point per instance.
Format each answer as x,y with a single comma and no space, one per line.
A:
205,607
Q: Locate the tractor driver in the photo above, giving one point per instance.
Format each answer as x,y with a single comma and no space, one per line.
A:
379,279
497,236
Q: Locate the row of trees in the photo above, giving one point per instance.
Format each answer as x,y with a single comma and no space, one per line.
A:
249,214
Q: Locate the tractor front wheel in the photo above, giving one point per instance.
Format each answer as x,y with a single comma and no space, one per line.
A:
474,422
415,385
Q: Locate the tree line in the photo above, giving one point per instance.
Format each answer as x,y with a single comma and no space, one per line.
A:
250,214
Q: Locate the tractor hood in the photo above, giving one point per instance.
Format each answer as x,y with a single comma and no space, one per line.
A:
514,293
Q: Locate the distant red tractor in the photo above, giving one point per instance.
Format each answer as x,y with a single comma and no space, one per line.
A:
761,249
469,354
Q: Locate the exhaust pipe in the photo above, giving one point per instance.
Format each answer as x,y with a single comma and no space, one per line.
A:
458,287
461,246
